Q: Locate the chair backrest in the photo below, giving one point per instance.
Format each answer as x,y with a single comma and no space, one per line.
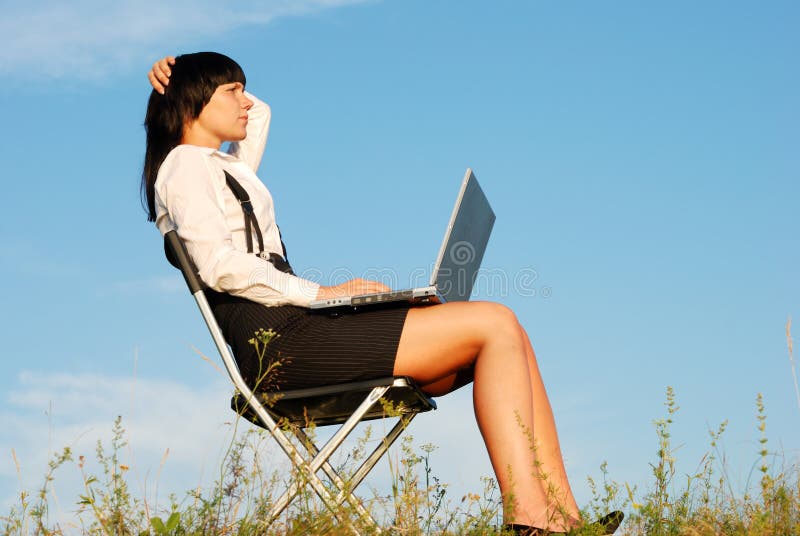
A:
176,253
178,256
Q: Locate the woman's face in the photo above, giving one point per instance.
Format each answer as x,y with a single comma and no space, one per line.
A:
223,119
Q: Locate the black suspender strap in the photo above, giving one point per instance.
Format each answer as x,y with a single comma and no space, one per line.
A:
250,223
250,220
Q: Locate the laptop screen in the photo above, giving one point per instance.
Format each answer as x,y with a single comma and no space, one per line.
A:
465,242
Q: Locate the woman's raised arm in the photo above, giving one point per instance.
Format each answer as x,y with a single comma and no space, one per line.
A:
251,148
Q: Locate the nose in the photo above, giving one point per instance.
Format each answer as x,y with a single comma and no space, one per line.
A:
246,103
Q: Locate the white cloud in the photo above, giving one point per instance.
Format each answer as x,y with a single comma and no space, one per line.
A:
167,284
88,39
43,413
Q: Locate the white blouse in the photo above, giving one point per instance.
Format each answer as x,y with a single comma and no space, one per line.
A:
191,196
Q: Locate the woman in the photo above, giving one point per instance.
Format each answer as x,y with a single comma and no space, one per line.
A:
198,103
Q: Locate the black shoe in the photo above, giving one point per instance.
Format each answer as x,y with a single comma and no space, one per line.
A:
609,523
605,526
527,530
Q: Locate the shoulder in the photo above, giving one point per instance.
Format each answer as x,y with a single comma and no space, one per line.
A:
186,162
189,180
185,156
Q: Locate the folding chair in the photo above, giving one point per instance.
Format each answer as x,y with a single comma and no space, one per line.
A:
344,404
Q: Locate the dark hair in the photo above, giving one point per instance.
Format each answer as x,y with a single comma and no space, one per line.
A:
194,79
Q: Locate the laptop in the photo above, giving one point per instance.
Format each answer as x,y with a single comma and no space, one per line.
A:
458,261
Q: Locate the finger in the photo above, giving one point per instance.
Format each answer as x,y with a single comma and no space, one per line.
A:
379,286
162,72
155,83
164,79
164,66
373,287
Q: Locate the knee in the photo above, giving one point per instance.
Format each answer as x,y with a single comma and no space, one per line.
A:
503,325
500,320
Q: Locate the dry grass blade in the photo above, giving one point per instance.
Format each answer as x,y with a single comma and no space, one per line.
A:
207,360
791,358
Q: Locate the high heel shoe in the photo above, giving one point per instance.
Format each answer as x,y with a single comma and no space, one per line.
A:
527,530
609,523
605,526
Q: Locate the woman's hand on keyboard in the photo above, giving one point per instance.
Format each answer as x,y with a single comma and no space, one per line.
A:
354,287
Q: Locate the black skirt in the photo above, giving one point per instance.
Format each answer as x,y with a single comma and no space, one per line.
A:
311,348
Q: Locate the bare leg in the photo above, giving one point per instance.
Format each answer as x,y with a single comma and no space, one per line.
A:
440,341
450,383
548,453
551,462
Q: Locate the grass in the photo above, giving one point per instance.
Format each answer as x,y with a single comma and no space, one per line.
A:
705,502
702,503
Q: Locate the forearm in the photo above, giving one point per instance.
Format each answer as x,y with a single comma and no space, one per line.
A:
251,149
247,276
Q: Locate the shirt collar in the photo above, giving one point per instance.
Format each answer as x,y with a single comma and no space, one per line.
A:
212,152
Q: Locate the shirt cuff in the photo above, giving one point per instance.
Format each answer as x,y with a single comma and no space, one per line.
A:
300,291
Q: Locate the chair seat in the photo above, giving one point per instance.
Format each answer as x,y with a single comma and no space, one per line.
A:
334,404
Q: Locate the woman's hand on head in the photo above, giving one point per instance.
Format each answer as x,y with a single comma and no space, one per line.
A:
160,73
353,287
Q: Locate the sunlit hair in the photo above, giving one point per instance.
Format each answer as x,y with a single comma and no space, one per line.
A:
194,79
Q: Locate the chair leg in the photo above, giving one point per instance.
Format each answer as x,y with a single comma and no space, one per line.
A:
362,471
305,467
311,467
354,501
379,451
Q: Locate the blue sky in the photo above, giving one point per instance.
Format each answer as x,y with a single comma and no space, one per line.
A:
642,160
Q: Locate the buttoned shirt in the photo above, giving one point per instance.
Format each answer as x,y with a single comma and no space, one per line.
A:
192,197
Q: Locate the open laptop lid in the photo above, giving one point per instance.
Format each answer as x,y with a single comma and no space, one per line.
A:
465,242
